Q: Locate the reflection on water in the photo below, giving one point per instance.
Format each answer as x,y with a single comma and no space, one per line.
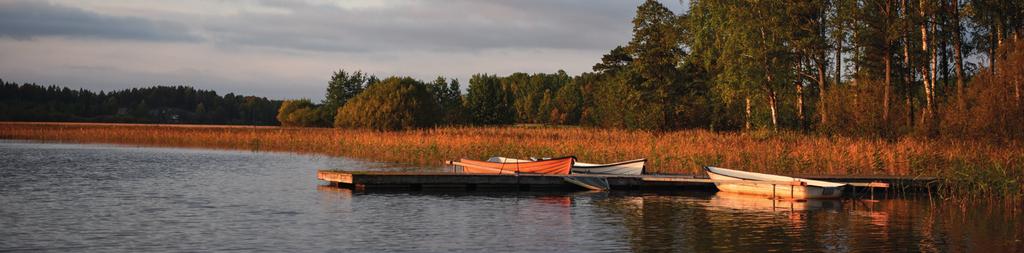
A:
115,198
733,222
733,201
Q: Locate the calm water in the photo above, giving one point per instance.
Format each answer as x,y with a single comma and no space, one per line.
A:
60,197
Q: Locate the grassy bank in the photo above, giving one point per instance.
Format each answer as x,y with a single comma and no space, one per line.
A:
966,165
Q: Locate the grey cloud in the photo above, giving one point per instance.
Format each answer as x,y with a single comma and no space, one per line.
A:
28,19
465,26
234,50
427,25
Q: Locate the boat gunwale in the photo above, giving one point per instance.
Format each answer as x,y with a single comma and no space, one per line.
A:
809,182
500,166
594,165
805,188
576,164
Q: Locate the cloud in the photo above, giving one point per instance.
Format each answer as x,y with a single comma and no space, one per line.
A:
353,25
289,48
30,19
464,26
337,25
109,65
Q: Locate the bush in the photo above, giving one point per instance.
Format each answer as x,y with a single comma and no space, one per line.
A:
394,104
856,110
288,108
300,113
992,105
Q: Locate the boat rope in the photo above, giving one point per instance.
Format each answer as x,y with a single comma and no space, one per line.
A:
501,169
517,166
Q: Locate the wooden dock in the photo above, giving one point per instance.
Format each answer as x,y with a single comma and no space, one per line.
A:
362,180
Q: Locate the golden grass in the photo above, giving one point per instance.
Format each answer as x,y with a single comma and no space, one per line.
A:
674,152
965,165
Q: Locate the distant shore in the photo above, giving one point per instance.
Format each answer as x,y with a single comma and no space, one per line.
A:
968,165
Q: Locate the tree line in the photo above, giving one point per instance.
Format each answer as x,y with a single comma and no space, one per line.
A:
882,68
869,67
359,100
158,104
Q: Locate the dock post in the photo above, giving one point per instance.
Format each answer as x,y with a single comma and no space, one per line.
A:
791,191
773,192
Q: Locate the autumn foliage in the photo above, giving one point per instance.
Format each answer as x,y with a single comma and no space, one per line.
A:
992,106
394,104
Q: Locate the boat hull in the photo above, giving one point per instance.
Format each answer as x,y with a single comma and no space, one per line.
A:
632,167
558,166
753,187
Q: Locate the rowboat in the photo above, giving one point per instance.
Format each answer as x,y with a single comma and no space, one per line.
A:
556,166
631,167
775,186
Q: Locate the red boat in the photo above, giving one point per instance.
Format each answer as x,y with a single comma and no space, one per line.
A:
557,166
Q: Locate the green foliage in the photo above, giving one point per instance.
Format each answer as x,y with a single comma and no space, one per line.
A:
299,113
158,104
877,32
876,68
656,55
397,103
655,46
142,109
646,84
615,61
568,103
533,99
488,101
995,22
981,178
614,101
449,98
342,87
749,50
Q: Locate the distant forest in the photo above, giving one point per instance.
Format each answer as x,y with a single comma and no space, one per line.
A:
875,68
880,68
159,104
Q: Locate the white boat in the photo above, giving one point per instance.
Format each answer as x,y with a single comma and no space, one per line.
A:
752,183
631,167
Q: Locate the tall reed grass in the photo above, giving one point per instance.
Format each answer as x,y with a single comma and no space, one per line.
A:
964,165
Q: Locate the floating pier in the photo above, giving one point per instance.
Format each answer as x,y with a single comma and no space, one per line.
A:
362,180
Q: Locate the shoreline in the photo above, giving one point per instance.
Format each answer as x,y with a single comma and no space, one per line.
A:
966,165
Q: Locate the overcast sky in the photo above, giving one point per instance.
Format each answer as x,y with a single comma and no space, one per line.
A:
288,49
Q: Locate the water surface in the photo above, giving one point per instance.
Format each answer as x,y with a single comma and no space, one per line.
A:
61,197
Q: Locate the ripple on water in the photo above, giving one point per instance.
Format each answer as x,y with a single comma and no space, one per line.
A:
120,198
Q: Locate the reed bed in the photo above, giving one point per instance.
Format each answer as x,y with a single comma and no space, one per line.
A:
964,165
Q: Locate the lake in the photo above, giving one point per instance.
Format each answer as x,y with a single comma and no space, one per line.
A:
110,198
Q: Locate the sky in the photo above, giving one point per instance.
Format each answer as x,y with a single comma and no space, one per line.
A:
288,49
